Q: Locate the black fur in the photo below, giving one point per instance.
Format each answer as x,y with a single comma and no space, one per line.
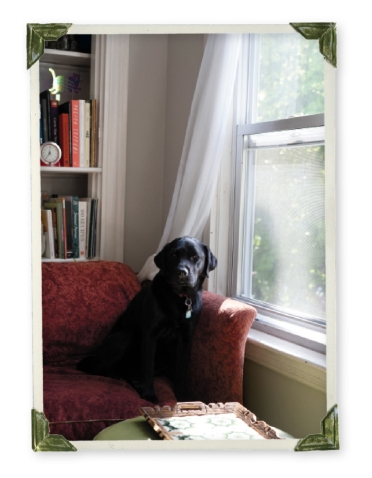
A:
153,336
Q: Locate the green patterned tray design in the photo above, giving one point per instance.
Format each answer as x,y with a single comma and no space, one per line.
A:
213,427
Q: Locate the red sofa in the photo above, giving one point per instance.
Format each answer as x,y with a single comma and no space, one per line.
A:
81,302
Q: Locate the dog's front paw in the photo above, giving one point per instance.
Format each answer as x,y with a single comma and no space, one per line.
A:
150,396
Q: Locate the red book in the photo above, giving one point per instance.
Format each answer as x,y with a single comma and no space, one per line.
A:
64,140
75,150
72,108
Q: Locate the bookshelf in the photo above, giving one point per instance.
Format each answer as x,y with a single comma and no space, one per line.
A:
104,77
83,182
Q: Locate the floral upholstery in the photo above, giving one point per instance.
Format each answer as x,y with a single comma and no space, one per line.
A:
81,301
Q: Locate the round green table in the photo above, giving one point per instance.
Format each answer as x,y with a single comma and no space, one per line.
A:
139,429
132,429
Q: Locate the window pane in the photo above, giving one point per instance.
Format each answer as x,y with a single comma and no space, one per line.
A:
288,262
291,77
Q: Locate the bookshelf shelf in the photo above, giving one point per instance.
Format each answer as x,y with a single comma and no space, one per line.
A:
64,170
61,57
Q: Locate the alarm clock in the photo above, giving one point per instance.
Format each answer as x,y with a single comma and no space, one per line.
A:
50,153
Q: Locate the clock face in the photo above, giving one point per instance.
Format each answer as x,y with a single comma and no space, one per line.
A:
50,153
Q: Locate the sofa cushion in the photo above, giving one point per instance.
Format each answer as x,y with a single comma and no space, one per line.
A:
78,405
81,302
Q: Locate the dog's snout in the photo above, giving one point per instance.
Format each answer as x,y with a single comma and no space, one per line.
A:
182,272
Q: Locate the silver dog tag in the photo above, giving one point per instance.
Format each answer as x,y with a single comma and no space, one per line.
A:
188,304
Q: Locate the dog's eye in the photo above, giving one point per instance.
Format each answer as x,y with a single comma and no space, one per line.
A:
195,257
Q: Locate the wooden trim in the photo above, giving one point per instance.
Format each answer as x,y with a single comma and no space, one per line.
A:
109,85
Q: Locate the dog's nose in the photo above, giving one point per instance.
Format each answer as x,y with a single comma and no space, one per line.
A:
182,272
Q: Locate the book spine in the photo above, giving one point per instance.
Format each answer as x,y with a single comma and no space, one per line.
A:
75,226
55,232
82,133
64,139
54,121
46,219
87,134
93,229
64,229
88,226
57,207
44,119
50,234
93,134
75,153
82,228
41,126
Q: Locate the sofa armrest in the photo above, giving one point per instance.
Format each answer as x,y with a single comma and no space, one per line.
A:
217,354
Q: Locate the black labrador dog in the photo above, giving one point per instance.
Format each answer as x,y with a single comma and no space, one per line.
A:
153,336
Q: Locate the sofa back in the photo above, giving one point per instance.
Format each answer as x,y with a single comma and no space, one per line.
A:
80,303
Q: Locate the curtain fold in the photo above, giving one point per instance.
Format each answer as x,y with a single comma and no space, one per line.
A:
206,134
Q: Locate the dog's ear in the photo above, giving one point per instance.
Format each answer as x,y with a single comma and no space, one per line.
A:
210,261
161,258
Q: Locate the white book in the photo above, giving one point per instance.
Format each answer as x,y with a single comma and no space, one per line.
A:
88,202
82,229
47,220
82,133
87,134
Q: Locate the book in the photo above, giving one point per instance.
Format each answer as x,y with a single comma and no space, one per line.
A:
45,115
47,221
64,139
93,231
88,202
75,143
72,109
87,134
72,226
54,122
82,133
57,206
41,126
93,134
55,232
82,228
63,224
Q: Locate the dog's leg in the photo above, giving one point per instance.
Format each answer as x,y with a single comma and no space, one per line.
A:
108,356
181,361
147,367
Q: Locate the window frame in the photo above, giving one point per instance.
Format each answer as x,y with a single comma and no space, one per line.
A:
302,329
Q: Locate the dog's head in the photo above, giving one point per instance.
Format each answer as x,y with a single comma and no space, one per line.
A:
185,262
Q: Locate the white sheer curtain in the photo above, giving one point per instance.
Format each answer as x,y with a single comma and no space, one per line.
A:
203,146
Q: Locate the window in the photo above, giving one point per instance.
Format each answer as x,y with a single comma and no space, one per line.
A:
279,212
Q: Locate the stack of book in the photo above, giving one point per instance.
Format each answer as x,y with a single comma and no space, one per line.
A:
73,126
70,227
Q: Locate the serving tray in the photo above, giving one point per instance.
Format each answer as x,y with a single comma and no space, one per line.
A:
215,421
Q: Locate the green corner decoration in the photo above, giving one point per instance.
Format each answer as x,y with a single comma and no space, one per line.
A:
326,34
41,440
37,33
328,438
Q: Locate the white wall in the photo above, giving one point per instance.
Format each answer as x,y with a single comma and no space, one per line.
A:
145,146
184,58
162,77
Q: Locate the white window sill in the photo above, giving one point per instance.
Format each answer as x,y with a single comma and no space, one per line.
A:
294,361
